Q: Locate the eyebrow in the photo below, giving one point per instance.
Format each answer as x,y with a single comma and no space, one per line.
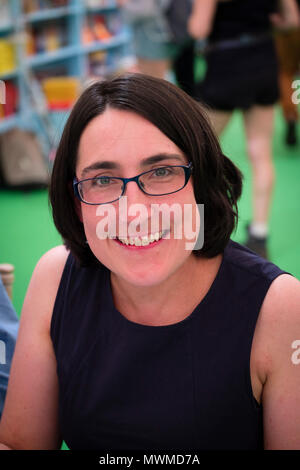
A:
109,165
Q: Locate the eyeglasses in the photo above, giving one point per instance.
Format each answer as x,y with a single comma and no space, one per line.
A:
157,182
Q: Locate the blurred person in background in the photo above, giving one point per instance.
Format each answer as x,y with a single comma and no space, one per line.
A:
9,324
242,73
161,40
152,39
288,50
183,65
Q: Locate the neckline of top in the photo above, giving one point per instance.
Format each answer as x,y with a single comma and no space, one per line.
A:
131,324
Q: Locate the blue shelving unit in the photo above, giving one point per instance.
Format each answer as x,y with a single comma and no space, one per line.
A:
7,28
74,56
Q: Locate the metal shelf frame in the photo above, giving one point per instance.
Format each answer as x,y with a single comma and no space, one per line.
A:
74,56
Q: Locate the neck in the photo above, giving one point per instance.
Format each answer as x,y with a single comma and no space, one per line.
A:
157,305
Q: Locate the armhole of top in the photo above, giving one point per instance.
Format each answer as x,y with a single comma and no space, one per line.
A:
258,406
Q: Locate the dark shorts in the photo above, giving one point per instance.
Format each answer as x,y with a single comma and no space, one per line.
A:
241,77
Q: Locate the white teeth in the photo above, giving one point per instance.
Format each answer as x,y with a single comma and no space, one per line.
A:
144,241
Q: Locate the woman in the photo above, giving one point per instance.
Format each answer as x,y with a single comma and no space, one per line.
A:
160,39
152,38
9,323
242,73
155,346
288,50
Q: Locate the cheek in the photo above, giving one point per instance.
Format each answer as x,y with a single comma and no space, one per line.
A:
99,224
186,219
89,220
97,241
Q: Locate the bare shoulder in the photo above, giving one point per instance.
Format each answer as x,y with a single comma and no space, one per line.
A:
280,312
53,261
50,266
277,330
44,283
276,351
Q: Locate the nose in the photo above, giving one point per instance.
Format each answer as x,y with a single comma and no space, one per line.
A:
128,213
134,193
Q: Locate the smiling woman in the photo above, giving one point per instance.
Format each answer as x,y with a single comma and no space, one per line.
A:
218,181
132,340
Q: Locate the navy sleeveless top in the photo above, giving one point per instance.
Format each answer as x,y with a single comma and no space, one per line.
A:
124,385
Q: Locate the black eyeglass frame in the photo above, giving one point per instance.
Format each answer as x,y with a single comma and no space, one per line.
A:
187,171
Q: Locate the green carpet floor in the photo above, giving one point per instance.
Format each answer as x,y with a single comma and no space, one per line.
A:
27,230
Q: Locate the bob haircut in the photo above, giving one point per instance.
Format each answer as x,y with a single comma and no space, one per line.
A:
217,181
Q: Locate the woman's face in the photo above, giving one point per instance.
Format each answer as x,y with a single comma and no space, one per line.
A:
120,144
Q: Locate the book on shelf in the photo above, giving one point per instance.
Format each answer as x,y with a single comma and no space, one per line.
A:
5,15
32,6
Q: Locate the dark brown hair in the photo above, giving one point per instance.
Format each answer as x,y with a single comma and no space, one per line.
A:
217,181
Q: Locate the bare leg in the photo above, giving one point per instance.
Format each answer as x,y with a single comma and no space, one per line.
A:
155,68
219,120
259,128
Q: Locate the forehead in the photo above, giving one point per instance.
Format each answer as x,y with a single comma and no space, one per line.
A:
123,137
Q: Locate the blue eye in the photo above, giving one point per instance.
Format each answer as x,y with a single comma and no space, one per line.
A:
162,172
103,181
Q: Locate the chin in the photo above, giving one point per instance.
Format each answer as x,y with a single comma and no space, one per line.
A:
150,270
144,276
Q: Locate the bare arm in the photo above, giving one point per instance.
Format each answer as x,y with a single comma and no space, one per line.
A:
279,336
201,19
288,16
30,415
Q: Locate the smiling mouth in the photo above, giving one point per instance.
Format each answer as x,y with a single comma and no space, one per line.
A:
142,241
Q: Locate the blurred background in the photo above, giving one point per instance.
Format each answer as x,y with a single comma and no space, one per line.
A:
49,51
